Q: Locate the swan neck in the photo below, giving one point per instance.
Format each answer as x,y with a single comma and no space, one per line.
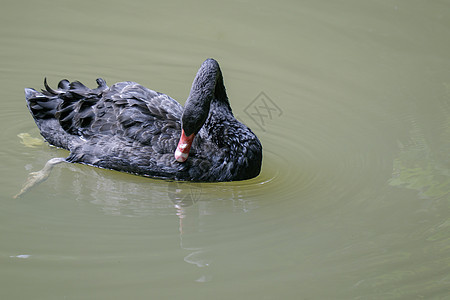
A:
208,83
207,88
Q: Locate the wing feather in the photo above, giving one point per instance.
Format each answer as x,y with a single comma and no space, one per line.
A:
126,108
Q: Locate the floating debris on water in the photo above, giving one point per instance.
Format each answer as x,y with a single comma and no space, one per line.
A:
29,141
21,256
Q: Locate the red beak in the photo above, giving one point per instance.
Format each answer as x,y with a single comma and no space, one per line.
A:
184,145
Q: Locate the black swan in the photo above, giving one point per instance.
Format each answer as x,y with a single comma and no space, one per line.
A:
129,128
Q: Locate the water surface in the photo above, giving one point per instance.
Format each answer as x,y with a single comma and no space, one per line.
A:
350,100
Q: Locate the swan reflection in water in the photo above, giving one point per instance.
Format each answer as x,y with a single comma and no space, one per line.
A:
195,205
186,196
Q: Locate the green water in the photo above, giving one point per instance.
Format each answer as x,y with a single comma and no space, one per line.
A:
350,99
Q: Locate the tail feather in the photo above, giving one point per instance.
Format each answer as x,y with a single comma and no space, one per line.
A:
48,90
40,105
44,104
64,85
56,111
30,93
78,87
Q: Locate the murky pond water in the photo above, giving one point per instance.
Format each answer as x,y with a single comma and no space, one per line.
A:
350,100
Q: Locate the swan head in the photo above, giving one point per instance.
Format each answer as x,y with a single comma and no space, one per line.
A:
197,106
192,121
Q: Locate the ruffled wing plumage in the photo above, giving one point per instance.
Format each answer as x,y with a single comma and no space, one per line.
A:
126,126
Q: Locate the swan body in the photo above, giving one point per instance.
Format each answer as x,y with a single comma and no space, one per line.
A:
130,128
